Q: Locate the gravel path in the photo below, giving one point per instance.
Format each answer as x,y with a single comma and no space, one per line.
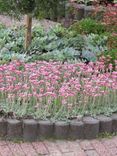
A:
102,147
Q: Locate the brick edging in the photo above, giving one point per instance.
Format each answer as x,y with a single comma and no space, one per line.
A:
32,130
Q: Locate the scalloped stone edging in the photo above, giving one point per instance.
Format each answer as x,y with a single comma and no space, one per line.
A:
32,130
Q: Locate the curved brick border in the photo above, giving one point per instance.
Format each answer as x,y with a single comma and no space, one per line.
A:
31,130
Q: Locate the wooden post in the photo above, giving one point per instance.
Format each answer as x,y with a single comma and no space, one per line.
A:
28,34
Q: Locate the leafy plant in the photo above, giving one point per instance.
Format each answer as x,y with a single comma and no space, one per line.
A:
109,57
112,41
94,46
57,55
51,43
87,26
1,26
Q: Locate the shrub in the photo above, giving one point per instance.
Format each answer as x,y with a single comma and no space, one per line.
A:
87,26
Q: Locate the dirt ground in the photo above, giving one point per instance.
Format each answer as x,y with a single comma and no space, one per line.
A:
9,22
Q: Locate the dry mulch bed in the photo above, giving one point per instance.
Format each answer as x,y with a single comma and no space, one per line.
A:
9,22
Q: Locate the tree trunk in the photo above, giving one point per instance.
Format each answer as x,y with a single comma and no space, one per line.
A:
28,34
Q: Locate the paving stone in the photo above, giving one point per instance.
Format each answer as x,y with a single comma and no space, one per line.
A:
5,150
100,148
69,154
40,148
86,145
115,140
109,143
52,148
16,149
28,149
113,151
92,153
64,146
77,149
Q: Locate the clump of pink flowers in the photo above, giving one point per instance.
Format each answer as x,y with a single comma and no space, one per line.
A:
110,17
53,89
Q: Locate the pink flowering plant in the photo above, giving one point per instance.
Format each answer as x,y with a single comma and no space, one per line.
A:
56,90
110,18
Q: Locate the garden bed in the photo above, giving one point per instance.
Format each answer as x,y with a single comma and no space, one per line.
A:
57,100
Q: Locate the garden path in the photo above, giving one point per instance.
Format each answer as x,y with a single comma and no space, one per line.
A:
97,147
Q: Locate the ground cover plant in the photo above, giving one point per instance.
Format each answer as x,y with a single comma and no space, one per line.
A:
57,91
57,44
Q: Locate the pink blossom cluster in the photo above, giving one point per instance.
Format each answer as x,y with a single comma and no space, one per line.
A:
53,82
110,16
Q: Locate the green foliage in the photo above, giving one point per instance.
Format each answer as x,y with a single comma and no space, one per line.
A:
11,40
59,31
38,8
50,8
8,7
110,57
25,6
87,26
1,26
58,41
112,41
112,54
55,39
56,44
94,46
38,31
66,54
107,135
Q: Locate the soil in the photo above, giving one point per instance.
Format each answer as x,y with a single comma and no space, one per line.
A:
10,21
